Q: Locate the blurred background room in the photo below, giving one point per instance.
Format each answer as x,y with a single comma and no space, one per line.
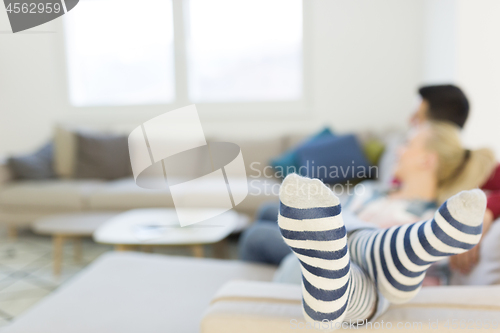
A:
268,75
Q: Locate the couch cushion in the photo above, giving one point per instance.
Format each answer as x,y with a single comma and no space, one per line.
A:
124,194
26,216
260,190
64,151
66,146
37,165
133,292
256,153
334,160
65,195
288,161
102,156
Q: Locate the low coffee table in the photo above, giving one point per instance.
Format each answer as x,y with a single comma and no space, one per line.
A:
74,226
160,227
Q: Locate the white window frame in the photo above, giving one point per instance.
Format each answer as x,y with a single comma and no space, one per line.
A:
213,111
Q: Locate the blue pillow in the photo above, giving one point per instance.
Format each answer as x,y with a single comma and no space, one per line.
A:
334,160
288,160
35,166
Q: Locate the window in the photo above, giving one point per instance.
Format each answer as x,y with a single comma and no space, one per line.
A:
122,53
245,50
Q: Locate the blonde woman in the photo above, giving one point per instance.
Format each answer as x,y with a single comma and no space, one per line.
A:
433,165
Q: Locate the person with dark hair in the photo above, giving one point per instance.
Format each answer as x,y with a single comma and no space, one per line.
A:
443,103
448,103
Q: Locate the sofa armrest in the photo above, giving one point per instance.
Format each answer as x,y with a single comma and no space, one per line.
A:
244,306
252,306
241,290
5,174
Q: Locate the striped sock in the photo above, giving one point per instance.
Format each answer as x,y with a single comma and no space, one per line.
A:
311,223
363,296
397,258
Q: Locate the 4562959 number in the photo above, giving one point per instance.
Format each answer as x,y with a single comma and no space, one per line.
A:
33,8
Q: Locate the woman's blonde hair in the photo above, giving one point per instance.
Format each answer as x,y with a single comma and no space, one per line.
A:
459,169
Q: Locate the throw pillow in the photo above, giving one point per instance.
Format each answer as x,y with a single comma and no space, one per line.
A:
102,156
287,162
373,150
64,151
35,166
334,160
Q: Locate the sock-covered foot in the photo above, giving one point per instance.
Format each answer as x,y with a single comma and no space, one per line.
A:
397,258
311,223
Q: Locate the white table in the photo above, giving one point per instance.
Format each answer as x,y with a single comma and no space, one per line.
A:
149,228
73,226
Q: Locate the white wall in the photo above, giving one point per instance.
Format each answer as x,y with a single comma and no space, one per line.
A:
461,45
364,56
439,46
478,69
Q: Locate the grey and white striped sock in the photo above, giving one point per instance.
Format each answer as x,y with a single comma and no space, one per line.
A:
397,258
311,224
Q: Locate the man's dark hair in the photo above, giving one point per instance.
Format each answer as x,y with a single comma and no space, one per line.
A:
446,102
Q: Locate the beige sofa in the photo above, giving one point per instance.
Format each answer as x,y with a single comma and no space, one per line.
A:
134,292
22,202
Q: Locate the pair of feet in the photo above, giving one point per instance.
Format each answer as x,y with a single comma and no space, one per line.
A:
343,276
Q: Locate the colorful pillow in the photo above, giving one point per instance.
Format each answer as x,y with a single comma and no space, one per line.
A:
373,150
287,162
334,160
